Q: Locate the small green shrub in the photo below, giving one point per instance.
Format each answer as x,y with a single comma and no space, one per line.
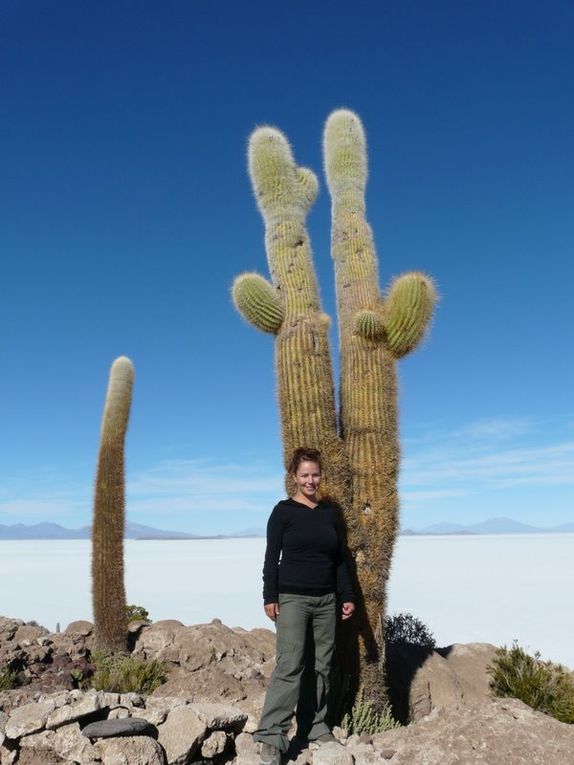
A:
542,685
123,673
406,628
364,719
8,680
137,613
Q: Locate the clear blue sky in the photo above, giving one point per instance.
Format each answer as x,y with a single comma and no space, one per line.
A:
127,212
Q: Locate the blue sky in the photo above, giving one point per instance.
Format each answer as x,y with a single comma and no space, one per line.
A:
127,212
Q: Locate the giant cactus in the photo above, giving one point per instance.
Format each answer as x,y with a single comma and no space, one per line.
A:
108,589
374,331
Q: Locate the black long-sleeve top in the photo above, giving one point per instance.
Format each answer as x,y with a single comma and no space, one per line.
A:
305,553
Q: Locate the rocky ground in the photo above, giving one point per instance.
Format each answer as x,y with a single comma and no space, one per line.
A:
207,709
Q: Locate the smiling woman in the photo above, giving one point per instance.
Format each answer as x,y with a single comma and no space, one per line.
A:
305,568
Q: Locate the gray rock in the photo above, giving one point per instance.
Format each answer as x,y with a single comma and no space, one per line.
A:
130,726
45,739
491,732
157,709
332,754
181,735
129,751
363,753
29,718
70,744
3,721
214,744
245,745
88,704
80,627
7,756
220,716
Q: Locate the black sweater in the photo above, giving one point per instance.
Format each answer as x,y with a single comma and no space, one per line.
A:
310,545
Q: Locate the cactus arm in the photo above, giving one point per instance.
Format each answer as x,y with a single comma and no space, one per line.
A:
370,325
407,311
108,589
258,302
290,307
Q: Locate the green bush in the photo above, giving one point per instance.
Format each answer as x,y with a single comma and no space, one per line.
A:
406,628
8,680
123,673
364,719
542,685
137,613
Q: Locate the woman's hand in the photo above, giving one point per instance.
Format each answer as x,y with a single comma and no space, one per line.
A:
272,610
347,609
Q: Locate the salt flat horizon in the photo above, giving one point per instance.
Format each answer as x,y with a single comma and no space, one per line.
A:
478,588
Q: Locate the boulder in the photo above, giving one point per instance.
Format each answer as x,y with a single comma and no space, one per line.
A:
70,744
488,732
129,751
220,716
28,718
181,734
86,705
422,679
80,627
332,754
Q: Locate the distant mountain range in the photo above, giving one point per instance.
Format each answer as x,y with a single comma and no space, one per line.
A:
133,531
491,526
139,531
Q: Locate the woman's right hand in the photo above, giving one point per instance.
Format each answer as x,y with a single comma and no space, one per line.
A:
272,610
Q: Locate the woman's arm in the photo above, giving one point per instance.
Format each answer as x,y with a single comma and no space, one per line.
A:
271,563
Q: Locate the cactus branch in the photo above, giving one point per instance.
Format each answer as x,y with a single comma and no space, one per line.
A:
258,302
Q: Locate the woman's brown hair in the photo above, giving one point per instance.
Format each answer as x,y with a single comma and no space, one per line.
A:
302,454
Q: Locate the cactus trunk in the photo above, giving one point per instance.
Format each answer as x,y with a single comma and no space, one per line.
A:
108,589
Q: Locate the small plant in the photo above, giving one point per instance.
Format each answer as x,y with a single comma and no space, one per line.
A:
123,673
406,628
363,718
8,680
543,685
137,613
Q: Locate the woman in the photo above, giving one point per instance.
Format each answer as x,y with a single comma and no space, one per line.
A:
299,594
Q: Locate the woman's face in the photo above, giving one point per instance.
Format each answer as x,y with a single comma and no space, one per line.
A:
308,478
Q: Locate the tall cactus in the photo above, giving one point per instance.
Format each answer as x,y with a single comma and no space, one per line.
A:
374,331
290,307
108,589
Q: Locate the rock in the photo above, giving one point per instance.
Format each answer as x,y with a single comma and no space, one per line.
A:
156,640
3,721
130,726
422,679
387,753
80,627
220,716
28,718
489,732
129,751
332,754
87,705
38,757
245,745
214,744
363,753
45,739
157,709
70,744
7,756
181,735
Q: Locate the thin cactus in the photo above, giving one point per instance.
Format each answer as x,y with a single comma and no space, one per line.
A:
108,589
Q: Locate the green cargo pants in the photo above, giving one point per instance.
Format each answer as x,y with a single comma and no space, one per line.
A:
293,681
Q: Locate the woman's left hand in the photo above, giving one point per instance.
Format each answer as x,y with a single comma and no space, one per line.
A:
348,609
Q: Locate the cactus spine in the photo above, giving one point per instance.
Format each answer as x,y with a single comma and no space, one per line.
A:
108,589
290,308
362,458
